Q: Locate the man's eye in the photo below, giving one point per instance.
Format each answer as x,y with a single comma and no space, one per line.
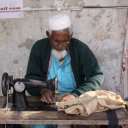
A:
60,42
65,41
55,42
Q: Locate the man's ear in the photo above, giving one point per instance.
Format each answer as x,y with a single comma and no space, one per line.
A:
71,35
48,34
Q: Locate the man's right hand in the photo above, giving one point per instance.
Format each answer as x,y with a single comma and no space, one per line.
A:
46,96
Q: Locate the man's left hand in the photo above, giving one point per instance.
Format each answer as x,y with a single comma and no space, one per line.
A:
67,97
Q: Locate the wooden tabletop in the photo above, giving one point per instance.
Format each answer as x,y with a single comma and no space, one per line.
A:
54,117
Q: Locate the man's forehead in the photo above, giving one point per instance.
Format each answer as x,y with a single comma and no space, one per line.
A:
60,33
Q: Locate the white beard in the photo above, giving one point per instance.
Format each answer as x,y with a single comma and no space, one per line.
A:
59,54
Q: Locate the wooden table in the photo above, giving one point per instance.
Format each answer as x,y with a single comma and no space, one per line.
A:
55,117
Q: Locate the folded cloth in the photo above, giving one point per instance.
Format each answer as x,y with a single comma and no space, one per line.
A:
92,101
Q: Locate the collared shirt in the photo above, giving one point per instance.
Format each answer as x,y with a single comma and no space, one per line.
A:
64,74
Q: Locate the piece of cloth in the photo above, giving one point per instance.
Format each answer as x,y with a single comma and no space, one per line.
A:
92,101
87,74
51,126
44,126
111,114
64,126
64,74
59,22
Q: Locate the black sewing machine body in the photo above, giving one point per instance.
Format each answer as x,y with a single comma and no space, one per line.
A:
19,86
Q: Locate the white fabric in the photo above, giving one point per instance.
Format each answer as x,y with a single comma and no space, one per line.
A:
59,22
92,101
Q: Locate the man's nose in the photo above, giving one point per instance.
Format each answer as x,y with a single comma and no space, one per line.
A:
60,46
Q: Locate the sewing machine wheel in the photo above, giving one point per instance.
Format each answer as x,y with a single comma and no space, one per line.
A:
5,83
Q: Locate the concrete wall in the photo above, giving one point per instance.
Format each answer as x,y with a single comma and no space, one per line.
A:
104,30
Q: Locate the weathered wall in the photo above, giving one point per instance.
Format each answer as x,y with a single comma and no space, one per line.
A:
104,30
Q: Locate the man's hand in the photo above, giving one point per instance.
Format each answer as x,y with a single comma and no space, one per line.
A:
67,97
46,96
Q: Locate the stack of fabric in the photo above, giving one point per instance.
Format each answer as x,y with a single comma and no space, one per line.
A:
92,101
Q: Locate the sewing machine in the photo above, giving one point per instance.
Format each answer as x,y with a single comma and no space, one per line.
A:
19,101
18,87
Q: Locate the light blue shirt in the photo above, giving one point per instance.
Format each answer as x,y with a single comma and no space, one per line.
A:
66,81
64,74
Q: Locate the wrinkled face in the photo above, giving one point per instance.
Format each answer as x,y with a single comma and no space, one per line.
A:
60,39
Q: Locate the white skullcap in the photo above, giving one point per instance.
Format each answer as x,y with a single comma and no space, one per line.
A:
59,22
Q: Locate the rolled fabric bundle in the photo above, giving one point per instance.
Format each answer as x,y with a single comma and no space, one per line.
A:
91,102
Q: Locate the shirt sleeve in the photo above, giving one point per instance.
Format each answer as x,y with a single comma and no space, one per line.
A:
93,76
34,70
